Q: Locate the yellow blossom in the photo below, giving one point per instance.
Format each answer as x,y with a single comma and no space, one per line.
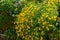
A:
41,38
44,23
18,35
46,15
49,9
31,20
38,20
54,17
49,18
28,27
42,26
50,25
31,5
47,28
16,27
20,31
22,25
22,19
42,33
37,33
26,20
28,30
21,34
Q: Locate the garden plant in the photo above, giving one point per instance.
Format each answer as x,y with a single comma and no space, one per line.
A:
30,19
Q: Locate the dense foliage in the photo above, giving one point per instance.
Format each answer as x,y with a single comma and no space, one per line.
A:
37,20
30,19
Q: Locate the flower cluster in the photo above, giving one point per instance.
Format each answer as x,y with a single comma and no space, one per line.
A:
35,19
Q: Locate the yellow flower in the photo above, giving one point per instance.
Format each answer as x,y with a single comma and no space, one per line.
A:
31,20
18,35
21,14
18,18
56,1
50,25
42,26
47,28
38,20
20,31
26,20
28,27
46,15
32,13
37,38
42,33
41,38
43,15
17,23
49,9
54,17
21,34
48,4
22,19
16,27
36,33
22,25
31,5
52,2
49,18
28,30
44,23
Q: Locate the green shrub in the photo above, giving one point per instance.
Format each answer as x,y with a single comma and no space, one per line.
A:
36,20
